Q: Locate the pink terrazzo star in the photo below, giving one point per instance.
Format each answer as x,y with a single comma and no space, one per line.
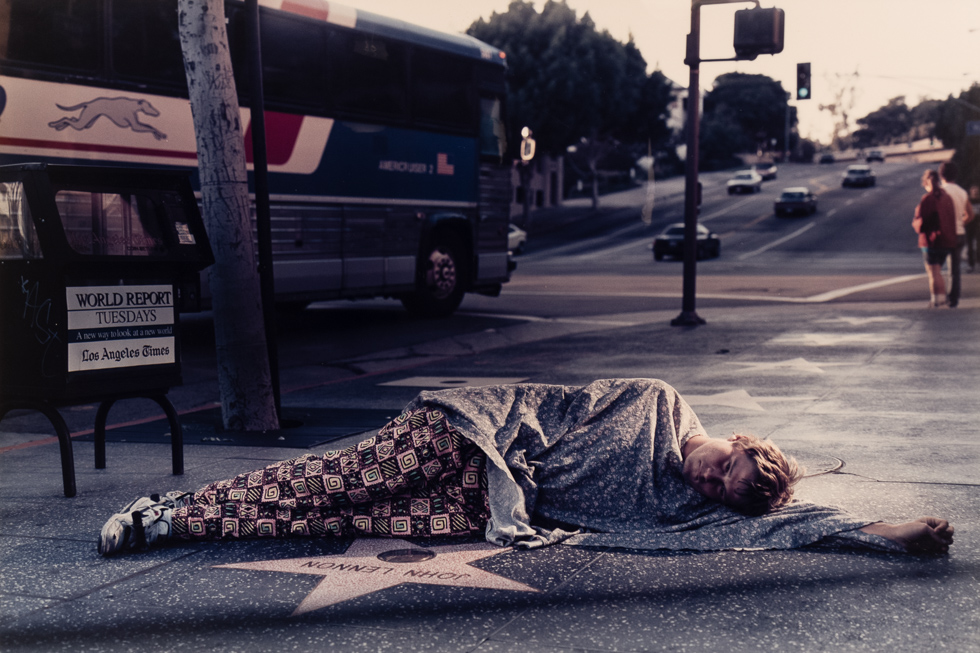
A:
370,565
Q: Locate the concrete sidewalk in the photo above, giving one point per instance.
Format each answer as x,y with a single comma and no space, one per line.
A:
879,400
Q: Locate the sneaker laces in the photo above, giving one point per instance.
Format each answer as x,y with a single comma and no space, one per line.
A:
141,523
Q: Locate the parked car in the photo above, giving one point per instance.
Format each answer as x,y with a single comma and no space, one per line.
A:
516,239
796,200
875,155
827,158
671,243
746,181
766,170
858,175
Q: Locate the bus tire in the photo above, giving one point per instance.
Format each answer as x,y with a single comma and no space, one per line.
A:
441,279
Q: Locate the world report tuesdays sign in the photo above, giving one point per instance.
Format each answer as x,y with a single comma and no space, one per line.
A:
120,326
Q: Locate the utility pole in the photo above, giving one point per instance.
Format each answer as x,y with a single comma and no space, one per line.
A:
786,132
263,217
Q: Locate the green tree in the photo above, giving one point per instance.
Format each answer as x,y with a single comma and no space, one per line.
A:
888,124
896,122
951,121
742,113
573,84
924,116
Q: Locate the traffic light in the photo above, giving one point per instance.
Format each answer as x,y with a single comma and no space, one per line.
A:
758,31
803,81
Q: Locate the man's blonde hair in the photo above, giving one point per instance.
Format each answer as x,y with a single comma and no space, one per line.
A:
777,474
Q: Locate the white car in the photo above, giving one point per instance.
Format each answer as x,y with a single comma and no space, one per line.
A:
516,239
745,181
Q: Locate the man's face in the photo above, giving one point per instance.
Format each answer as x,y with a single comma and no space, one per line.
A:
720,472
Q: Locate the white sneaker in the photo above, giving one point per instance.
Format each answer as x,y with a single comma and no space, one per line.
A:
141,523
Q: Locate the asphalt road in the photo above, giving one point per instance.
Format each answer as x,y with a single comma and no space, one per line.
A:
854,229
585,268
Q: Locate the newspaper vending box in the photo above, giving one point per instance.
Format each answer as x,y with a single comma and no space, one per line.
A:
95,264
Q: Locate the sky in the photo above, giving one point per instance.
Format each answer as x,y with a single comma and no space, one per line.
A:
920,49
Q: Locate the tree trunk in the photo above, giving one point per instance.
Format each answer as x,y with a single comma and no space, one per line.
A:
244,380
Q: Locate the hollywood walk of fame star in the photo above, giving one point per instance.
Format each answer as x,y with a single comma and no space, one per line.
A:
370,565
737,399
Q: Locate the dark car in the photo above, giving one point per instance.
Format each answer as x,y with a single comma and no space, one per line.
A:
671,243
875,155
796,200
766,170
859,175
827,158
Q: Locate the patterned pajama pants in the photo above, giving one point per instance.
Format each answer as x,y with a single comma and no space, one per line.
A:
417,478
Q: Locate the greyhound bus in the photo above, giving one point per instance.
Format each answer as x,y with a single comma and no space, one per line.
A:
387,146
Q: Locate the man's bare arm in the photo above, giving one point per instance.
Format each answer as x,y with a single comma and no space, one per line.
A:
924,535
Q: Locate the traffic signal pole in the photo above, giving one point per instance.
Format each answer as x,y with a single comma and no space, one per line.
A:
689,315
760,38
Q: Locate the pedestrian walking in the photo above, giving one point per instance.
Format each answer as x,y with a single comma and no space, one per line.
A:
964,215
935,222
973,229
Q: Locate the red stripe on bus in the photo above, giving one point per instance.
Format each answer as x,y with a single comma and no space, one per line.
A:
309,8
94,147
281,134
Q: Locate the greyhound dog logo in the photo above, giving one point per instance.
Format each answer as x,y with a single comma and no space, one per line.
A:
122,111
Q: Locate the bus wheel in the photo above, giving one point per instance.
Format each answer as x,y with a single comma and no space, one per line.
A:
441,280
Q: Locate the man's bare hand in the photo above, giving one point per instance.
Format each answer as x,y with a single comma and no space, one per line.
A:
924,535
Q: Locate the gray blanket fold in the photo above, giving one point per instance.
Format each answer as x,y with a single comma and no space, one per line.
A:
606,457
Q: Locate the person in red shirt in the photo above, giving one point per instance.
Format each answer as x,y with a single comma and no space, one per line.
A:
935,222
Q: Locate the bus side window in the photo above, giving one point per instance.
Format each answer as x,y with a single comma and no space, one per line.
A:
72,33
292,61
493,132
368,75
18,240
146,41
440,84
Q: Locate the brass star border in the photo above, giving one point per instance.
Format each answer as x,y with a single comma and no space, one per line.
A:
371,565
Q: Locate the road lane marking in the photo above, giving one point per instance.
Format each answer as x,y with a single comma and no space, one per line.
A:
725,211
813,299
835,294
602,253
758,220
561,320
778,242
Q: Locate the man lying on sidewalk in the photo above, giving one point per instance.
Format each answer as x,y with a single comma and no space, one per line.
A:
622,462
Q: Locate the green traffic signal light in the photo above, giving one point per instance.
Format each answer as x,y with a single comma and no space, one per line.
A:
802,81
